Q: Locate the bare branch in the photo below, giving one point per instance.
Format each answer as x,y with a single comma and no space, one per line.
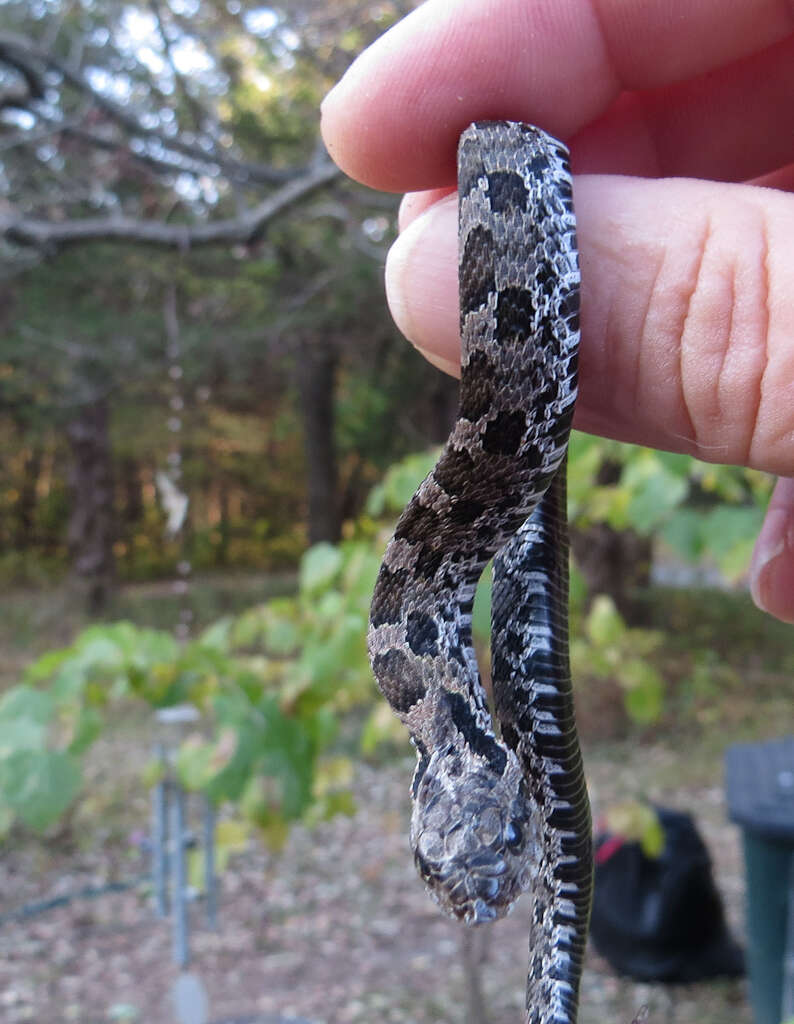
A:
28,59
10,46
245,228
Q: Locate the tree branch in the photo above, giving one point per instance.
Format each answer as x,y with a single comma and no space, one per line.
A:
246,228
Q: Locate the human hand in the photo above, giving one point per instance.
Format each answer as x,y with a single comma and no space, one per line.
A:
687,285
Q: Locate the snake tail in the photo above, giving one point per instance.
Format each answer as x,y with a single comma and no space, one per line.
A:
533,701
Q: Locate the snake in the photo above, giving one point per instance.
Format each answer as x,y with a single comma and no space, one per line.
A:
499,801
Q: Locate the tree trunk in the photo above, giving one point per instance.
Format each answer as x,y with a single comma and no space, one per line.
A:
316,379
613,562
25,506
92,514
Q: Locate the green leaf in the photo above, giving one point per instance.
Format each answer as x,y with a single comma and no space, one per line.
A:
39,785
24,701
86,727
654,491
319,567
44,666
481,612
730,532
604,625
193,763
218,635
684,533
644,688
22,734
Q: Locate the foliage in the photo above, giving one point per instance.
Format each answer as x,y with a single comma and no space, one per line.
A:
699,511
608,649
271,681
269,684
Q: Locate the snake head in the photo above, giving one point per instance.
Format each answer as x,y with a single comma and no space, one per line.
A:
472,834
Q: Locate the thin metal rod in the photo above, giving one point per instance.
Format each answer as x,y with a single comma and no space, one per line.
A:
181,953
210,883
160,838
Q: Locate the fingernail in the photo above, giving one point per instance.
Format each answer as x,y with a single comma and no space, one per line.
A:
421,285
446,365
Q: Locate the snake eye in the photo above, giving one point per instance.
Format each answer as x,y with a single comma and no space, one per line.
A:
514,835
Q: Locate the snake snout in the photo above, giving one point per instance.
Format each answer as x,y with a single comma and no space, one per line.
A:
471,841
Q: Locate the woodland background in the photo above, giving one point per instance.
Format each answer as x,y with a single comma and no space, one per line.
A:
207,426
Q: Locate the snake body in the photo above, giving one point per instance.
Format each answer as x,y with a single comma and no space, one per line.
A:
497,812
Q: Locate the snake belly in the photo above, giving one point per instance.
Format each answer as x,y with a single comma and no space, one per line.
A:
499,811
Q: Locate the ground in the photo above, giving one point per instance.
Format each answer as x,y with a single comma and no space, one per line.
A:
337,929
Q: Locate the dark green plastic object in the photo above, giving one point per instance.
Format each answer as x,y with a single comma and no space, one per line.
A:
759,780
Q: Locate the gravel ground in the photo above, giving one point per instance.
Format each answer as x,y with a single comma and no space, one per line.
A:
336,930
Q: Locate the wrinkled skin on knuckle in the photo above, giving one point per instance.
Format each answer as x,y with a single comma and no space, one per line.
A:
688,313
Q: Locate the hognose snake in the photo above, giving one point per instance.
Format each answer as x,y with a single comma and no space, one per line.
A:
493,817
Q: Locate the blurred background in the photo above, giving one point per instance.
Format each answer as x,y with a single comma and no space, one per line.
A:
208,425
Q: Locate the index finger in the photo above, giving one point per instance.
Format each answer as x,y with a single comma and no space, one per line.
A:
394,120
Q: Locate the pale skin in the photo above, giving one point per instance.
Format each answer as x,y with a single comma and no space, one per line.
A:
679,115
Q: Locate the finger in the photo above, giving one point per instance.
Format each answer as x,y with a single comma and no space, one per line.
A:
729,125
782,179
687,313
415,203
394,119
772,567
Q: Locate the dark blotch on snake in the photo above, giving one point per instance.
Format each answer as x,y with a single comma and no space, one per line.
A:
476,387
507,191
428,561
504,433
416,521
465,511
421,634
397,679
454,470
515,314
476,275
389,610
468,184
466,724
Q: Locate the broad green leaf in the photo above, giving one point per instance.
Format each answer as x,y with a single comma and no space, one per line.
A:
319,567
24,701
654,491
39,785
605,625
44,666
193,763
644,690
684,533
86,727
21,734
218,635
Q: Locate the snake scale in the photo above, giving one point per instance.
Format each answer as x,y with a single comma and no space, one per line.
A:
499,810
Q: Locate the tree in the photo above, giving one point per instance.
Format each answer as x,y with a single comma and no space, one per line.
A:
136,125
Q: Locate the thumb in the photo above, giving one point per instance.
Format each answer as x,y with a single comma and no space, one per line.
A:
772,566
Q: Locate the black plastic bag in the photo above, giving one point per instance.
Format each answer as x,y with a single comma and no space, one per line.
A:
662,918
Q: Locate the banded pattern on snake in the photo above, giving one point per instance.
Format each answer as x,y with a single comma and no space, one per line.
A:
497,812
